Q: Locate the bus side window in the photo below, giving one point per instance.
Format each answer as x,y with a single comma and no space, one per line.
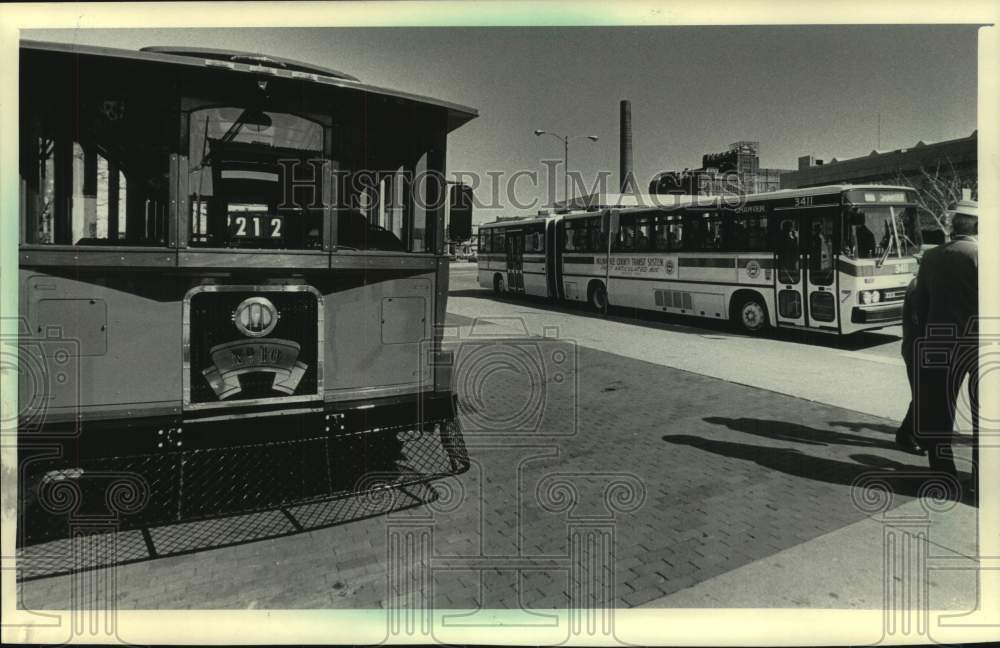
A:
667,233
581,235
754,234
694,232
661,233
676,234
597,238
644,233
714,231
568,241
626,233
533,242
736,232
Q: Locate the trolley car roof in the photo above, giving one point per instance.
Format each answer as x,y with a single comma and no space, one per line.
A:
245,62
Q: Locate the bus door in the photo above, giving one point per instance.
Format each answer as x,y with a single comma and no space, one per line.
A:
820,268
553,262
789,259
515,261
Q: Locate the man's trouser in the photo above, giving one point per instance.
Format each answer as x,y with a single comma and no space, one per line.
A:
937,393
907,429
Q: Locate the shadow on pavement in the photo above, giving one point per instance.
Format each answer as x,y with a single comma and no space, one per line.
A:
135,507
891,477
687,324
91,548
786,431
856,426
957,439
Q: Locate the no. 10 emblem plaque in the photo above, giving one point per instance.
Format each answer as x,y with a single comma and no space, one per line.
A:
255,317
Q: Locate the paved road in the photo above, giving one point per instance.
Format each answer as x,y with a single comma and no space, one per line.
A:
661,455
863,373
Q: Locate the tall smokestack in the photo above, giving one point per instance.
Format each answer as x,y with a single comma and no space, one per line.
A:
625,178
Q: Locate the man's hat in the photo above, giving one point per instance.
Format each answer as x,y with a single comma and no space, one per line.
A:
965,208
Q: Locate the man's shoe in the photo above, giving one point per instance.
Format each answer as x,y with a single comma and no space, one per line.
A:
909,445
970,491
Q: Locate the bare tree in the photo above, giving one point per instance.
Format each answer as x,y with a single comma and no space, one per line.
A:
938,189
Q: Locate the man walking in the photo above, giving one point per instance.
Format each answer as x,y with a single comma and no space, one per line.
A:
947,302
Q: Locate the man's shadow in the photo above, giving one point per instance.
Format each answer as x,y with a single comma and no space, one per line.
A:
856,426
786,431
901,479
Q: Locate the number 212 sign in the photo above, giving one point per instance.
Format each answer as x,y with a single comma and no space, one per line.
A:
255,226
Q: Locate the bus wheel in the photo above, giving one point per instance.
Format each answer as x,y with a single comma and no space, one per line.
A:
498,284
598,297
750,313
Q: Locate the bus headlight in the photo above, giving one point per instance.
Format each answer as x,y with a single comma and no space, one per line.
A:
876,296
866,296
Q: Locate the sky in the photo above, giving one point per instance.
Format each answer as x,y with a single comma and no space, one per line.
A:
798,90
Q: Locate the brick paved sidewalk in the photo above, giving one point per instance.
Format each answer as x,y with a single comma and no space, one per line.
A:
689,476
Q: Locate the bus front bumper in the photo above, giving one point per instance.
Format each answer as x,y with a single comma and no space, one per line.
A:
877,314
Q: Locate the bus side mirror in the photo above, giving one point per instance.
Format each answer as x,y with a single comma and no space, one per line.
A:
460,213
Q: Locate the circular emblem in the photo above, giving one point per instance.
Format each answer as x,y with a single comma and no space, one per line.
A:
668,266
753,269
255,317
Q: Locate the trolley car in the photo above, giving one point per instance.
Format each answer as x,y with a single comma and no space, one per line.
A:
225,254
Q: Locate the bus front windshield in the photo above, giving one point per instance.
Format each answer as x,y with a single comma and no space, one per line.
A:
881,231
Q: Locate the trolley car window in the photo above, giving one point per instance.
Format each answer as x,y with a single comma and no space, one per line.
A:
238,160
95,154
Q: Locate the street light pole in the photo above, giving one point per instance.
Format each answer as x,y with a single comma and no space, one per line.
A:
565,140
566,172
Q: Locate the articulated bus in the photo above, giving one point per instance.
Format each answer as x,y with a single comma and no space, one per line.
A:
833,259
223,255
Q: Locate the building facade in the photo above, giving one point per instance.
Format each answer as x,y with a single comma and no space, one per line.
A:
939,172
735,171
